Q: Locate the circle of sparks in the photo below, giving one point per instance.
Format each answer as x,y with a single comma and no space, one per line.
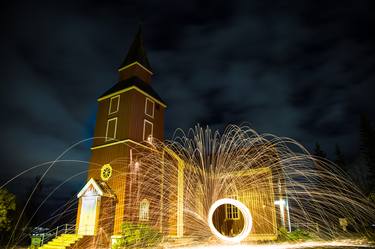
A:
248,220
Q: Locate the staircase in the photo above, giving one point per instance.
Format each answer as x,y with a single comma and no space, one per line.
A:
63,241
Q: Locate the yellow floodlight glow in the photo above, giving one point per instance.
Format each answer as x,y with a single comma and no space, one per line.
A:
248,220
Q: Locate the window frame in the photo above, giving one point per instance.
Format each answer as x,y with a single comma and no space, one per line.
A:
153,108
110,105
144,210
233,213
144,129
106,131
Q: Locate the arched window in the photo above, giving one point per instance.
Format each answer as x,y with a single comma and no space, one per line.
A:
144,207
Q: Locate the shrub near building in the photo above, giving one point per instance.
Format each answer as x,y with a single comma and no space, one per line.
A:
138,235
296,235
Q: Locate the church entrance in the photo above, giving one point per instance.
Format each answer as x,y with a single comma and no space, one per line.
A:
92,196
88,215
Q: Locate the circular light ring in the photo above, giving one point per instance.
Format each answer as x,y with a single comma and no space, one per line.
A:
248,220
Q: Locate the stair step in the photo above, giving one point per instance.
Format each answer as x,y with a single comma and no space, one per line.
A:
68,236
62,241
65,239
47,246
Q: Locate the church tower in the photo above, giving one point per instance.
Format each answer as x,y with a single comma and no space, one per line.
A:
130,114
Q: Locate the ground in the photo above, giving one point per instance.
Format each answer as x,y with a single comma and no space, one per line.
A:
347,244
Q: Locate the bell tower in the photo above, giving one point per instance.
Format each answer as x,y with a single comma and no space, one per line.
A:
130,114
131,109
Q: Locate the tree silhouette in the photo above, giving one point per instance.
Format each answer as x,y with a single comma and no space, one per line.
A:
367,150
321,156
7,207
339,159
318,152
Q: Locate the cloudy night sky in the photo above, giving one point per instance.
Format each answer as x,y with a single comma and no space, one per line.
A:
299,69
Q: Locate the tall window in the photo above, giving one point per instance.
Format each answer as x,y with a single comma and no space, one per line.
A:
144,207
148,130
110,132
149,108
231,211
114,104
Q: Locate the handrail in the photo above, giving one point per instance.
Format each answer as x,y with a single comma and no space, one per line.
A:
53,233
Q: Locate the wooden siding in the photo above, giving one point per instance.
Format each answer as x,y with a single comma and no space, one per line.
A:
135,70
131,116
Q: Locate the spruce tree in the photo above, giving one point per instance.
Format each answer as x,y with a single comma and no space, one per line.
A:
320,157
339,159
367,150
318,152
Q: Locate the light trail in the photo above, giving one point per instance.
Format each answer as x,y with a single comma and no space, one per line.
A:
278,175
312,244
248,220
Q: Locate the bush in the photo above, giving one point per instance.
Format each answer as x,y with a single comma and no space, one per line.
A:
296,235
370,236
134,235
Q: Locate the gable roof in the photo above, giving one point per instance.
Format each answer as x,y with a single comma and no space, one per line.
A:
101,188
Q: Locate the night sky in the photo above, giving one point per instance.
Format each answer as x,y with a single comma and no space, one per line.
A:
299,69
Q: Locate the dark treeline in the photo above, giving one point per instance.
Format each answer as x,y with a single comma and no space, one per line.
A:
362,168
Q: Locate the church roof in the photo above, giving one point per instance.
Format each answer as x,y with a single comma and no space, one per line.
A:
136,82
137,52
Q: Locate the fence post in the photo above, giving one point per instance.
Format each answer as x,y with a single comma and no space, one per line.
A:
42,239
57,231
66,228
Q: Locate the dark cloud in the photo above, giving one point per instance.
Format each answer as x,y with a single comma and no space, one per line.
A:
302,69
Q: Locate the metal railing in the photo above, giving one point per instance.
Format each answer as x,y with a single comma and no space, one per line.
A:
53,233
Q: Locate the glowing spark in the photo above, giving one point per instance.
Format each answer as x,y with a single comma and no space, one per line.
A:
280,183
310,244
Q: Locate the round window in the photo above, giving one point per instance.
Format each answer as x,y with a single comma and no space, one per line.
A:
106,172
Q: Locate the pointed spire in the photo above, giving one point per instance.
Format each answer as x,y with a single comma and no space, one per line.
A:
137,52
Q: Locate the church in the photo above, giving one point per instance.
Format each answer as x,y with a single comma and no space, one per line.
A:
130,117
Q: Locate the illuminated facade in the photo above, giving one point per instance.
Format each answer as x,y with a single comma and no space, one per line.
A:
130,116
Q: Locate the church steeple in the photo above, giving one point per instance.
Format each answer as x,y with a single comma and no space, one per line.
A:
136,62
137,52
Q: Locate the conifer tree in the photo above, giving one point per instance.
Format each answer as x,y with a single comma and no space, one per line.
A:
367,150
339,159
320,157
318,152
